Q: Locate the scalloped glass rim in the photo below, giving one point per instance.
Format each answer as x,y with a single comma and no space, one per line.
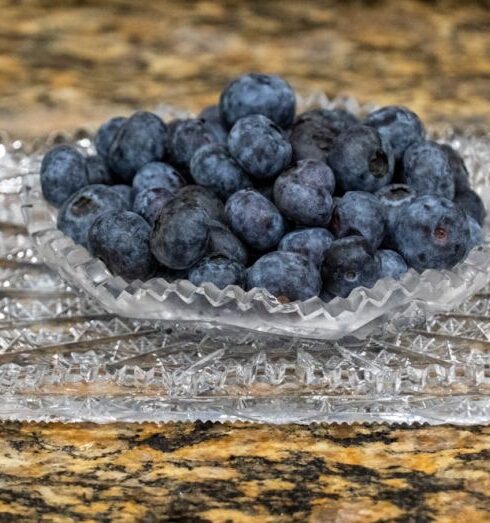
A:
388,305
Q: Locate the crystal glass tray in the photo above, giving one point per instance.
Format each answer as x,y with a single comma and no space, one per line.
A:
64,357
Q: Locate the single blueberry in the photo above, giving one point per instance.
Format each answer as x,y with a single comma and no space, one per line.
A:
140,140
259,146
458,168
287,275
158,174
349,263
213,167
303,193
468,201
428,169
126,192
476,234
359,214
361,159
392,264
212,116
264,94
121,239
97,171
106,134
82,208
189,136
149,203
394,198
311,243
171,128
223,242
180,235
432,233
254,219
63,173
219,270
203,197
400,126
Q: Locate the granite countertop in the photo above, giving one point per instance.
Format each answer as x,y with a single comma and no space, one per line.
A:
73,64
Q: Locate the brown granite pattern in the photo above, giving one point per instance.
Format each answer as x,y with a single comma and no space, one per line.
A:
243,473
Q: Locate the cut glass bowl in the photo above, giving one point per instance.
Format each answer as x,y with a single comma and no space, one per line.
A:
388,305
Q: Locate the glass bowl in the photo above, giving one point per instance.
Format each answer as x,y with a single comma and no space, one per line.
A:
388,306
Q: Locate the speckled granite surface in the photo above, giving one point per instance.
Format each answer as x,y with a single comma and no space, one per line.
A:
71,64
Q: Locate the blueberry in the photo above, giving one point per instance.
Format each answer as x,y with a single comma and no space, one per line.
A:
180,235
82,208
223,242
158,174
311,243
213,167
126,192
219,270
432,233
63,173
337,120
122,240
189,136
303,193
392,264
259,146
399,126
427,169
287,275
361,159
140,140
349,263
311,138
106,134
203,197
394,198
254,219
471,204
149,203
171,128
458,168
359,214
212,116
264,94
97,171
476,233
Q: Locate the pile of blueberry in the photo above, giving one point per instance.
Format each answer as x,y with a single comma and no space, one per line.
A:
250,194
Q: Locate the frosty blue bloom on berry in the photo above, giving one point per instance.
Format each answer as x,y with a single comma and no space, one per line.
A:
106,134
392,264
312,243
219,270
158,174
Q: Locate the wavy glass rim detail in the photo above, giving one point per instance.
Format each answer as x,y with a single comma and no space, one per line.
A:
387,306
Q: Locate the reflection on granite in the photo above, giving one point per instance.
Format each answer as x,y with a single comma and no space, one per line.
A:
243,473
66,64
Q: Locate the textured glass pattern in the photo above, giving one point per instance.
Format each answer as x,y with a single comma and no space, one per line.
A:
63,356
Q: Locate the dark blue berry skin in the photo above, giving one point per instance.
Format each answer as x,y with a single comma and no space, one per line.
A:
140,140
212,116
97,171
171,275
121,239
264,94
126,192
432,233
311,137
400,126
158,174
171,128
349,263
180,236
259,146
476,234
149,203
361,159
428,170
458,168
213,167
303,193
223,242
394,198
392,264
287,275
219,270
82,208
255,219
106,134
338,120
311,243
195,194
63,173
359,214
469,202
189,136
